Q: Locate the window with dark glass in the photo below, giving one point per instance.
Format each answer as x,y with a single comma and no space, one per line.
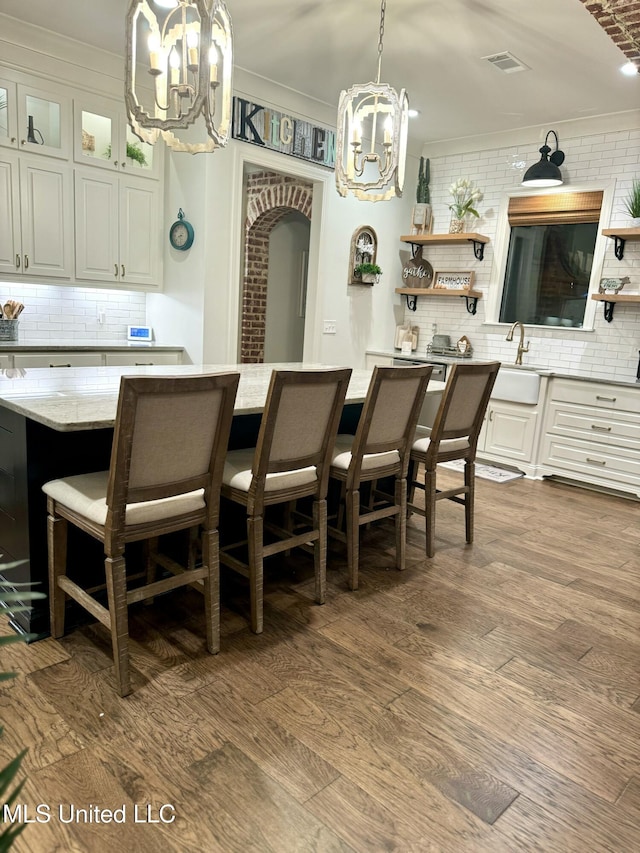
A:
551,247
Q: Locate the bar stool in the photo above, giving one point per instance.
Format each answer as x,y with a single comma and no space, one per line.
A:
289,462
454,435
170,439
379,449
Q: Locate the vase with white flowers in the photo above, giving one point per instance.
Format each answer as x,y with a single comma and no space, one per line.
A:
465,198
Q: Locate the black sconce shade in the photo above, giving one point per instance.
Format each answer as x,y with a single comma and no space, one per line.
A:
546,172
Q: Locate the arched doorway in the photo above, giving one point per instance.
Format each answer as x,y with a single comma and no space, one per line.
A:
274,199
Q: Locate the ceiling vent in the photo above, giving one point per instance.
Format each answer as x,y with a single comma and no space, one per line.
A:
506,62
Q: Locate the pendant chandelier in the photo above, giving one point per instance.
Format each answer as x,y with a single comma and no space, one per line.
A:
375,117
178,68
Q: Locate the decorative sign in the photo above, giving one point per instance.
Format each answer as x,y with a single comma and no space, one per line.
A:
417,272
277,131
453,280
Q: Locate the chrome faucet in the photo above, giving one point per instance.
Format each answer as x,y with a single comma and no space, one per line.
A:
521,347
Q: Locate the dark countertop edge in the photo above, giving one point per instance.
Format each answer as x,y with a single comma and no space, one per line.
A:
16,346
542,371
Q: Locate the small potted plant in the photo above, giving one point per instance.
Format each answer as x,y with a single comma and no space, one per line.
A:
368,273
632,203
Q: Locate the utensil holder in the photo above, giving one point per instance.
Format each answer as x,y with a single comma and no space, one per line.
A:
9,330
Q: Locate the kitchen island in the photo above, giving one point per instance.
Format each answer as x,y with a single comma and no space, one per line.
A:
58,422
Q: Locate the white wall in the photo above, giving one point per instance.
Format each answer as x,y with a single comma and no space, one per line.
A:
599,153
284,326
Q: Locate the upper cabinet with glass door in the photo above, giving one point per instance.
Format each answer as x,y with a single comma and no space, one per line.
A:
34,120
102,137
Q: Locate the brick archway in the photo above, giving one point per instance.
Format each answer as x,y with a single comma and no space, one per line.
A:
270,197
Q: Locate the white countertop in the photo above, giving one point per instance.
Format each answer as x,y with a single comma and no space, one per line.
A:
80,398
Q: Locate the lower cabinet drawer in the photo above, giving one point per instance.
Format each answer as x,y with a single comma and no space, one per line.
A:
621,429
117,359
601,396
58,359
597,462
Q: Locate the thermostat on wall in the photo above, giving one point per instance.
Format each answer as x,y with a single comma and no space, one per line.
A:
140,334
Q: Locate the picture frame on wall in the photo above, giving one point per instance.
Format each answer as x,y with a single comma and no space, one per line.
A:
453,280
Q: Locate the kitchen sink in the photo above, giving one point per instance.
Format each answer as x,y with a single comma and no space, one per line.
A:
516,386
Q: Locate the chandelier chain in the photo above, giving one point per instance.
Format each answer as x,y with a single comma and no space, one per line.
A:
383,9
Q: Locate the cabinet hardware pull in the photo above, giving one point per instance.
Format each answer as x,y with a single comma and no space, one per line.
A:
596,461
606,399
491,415
59,365
115,270
115,163
13,138
123,165
601,428
122,268
26,262
18,262
23,142
144,364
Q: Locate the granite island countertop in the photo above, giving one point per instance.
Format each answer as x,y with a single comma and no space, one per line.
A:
27,345
83,398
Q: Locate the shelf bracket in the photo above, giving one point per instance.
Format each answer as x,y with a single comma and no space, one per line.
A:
608,310
415,248
478,251
472,304
618,249
412,302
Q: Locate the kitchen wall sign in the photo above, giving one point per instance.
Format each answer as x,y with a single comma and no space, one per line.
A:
269,128
417,272
453,280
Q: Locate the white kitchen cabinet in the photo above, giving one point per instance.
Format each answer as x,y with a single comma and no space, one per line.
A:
142,357
102,138
34,120
592,434
58,359
36,217
6,362
118,238
372,361
509,431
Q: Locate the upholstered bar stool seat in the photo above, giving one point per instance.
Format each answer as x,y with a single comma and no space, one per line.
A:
290,462
170,439
454,435
379,449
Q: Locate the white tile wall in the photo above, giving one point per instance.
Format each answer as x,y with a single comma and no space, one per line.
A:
610,350
54,313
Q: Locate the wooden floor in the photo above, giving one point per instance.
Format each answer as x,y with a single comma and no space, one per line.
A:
485,700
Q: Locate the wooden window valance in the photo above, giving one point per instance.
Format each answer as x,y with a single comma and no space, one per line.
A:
555,209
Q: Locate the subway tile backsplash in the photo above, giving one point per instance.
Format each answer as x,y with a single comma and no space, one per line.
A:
53,312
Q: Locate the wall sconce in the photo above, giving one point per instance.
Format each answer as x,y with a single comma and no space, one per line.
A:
375,112
186,47
546,172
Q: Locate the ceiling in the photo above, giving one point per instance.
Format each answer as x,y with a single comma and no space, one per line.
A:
432,48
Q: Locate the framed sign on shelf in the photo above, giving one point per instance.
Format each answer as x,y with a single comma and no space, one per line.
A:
453,280
421,215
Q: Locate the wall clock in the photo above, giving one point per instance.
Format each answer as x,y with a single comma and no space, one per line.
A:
181,233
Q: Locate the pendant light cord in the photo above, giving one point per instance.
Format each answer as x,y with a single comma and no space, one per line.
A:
383,9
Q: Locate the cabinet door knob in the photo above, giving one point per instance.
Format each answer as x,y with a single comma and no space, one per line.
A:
26,262
13,138
122,269
115,163
17,262
122,165
23,142
115,270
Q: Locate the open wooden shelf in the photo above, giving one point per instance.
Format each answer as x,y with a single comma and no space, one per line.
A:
621,235
478,241
610,299
412,294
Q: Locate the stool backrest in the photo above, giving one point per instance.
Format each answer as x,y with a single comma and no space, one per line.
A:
299,423
170,437
390,414
463,406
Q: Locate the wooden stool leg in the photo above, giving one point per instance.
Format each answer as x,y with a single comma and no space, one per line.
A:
430,510
211,560
117,597
401,523
352,502
256,572
320,550
470,484
57,543
150,551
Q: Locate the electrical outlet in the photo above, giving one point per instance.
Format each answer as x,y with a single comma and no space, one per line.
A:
329,327
101,317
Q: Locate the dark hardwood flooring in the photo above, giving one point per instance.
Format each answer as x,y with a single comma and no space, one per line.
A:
485,700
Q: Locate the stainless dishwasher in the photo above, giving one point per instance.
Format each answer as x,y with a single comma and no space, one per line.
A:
431,401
